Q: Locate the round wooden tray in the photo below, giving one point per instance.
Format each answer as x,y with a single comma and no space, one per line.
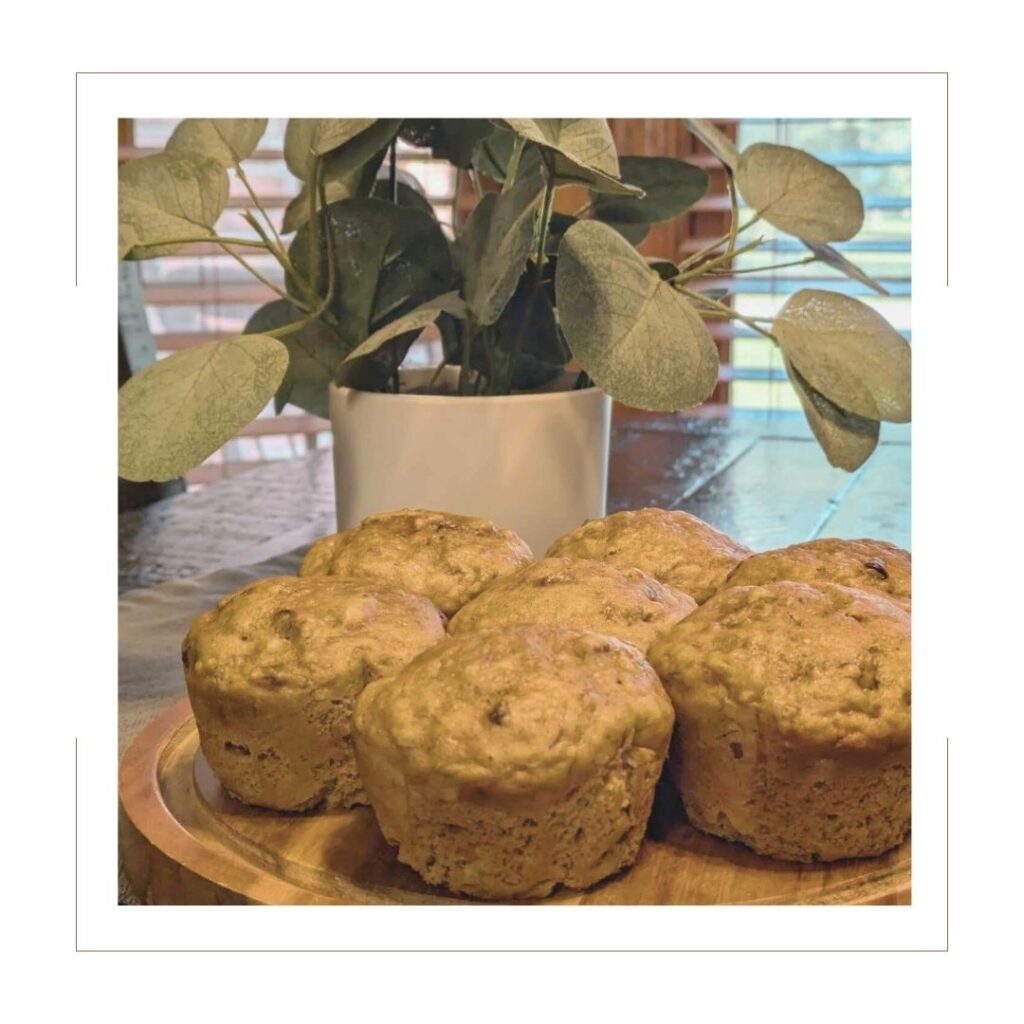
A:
185,841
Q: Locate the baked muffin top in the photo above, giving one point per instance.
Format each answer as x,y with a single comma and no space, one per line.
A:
827,665
445,557
674,547
516,717
284,634
864,564
624,603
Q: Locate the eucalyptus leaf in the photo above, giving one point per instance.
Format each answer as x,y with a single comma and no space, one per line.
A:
176,412
636,337
452,139
340,181
632,233
495,245
846,439
583,150
410,195
168,196
848,352
665,269
670,187
392,341
388,260
314,354
305,137
799,193
716,140
838,261
228,140
491,155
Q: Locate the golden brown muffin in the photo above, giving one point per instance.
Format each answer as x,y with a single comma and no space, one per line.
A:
272,674
793,704
873,565
505,763
673,547
624,603
444,557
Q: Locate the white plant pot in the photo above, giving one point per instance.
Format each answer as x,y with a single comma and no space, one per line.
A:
535,463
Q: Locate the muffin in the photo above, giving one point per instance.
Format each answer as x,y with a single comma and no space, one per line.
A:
502,764
273,671
673,547
873,565
793,709
624,603
446,558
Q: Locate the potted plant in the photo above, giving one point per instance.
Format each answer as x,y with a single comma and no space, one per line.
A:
502,427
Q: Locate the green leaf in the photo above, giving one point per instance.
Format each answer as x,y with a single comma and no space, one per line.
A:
632,233
229,141
388,346
409,194
838,261
388,260
665,269
636,337
848,352
583,149
495,244
799,193
670,187
846,439
452,139
314,354
181,409
492,153
716,140
305,137
341,181
168,196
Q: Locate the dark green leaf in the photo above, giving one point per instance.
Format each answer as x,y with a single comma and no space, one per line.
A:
388,259
341,181
180,410
408,195
314,353
670,187
452,139
495,244
636,337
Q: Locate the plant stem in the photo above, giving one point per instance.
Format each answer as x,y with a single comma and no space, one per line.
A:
278,253
707,250
255,199
252,270
585,208
716,261
477,187
513,163
314,231
393,170
759,270
715,304
437,374
203,238
545,220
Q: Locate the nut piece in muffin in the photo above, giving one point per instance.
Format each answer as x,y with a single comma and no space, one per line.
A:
272,674
673,547
624,603
793,710
502,764
443,556
873,565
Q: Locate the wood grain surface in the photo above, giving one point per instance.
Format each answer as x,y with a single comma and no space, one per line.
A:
185,841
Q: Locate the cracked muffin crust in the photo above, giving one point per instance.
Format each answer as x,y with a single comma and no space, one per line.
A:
793,710
674,547
624,603
504,763
272,674
445,557
873,565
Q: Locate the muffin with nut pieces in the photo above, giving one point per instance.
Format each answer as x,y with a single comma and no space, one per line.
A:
505,763
272,675
873,565
674,547
445,557
793,710
624,603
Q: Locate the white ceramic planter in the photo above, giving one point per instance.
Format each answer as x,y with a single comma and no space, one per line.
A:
536,463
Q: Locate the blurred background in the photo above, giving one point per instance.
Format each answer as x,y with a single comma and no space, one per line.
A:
202,294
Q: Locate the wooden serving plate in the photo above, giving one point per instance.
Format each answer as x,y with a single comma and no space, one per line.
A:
185,841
